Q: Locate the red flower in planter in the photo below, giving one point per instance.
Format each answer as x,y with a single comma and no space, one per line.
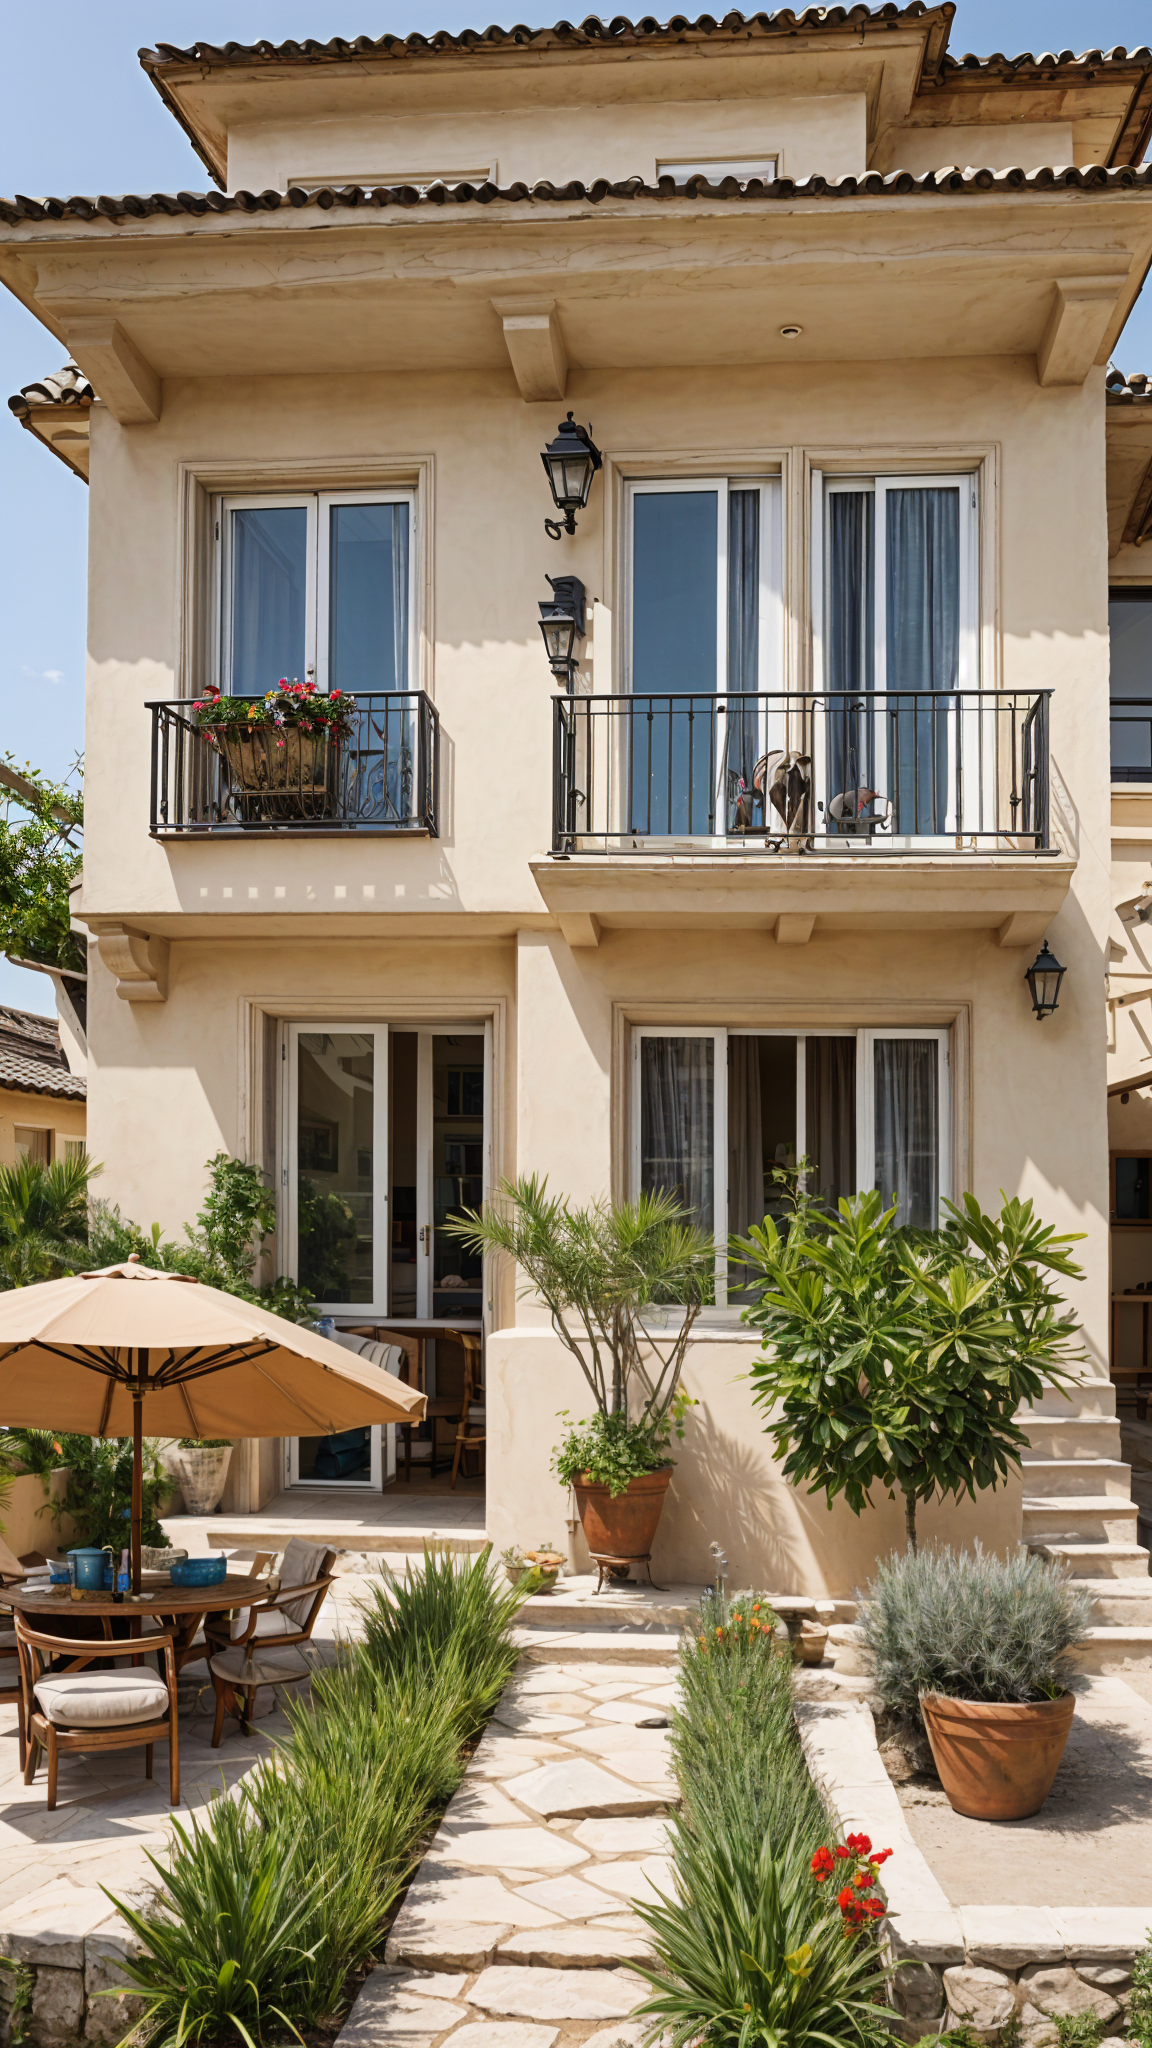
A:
822,1865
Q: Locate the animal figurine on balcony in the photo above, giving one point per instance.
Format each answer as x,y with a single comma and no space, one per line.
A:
786,780
851,812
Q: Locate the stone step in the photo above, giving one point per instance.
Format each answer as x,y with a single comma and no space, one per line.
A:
597,1645
1063,1477
1083,1518
1097,1560
1086,1397
1086,1436
268,1532
576,1602
1110,1649
1120,1603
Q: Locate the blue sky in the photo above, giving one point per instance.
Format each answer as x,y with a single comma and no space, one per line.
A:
89,121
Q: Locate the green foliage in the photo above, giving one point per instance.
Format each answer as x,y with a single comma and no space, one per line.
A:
269,1910
32,1450
735,1746
98,1496
752,1956
449,1620
612,1450
1140,2006
40,828
327,1235
900,1358
43,1219
974,1627
1078,2030
624,1284
204,1443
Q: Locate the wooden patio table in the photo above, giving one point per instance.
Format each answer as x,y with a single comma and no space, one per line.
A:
411,1333
181,1607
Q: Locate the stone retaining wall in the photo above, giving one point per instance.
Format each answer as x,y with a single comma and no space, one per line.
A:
1028,2001
67,1953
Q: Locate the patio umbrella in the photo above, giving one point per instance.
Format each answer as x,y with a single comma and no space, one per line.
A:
90,1353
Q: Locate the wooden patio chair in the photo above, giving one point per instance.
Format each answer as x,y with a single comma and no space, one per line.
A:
262,1647
470,1430
85,1711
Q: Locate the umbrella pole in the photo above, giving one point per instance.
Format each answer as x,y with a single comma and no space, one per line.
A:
137,1484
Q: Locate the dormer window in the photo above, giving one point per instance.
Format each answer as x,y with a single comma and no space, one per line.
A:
717,168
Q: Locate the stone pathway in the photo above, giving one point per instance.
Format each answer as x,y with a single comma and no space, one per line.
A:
518,1928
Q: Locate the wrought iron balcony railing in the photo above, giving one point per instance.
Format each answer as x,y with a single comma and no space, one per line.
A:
382,776
1131,721
897,771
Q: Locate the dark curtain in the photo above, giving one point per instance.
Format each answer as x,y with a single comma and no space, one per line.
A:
923,652
830,1117
907,1127
677,1111
745,1147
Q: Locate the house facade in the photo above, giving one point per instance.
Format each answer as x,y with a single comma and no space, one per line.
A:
758,874
42,1090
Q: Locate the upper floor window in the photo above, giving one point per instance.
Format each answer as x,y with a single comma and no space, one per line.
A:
1130,650
316,586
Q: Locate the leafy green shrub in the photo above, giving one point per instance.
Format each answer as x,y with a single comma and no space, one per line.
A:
612,1450
751,1953
1140,2008
43,1219
98,1496
1079,2030
222,1250
972,1626
289,1888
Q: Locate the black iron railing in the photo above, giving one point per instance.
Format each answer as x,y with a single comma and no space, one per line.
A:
1131,722
383,775
886,770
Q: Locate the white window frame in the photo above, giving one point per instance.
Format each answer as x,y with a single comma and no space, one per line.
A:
318,505
865,1037
966,482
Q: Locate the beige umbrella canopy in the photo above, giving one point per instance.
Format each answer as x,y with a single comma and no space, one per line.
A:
91,1354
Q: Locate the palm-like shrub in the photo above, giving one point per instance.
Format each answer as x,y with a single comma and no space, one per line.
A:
975,1627
751,1953
43,1219
447,1622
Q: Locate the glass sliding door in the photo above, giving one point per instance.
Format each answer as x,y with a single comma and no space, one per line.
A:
337,1164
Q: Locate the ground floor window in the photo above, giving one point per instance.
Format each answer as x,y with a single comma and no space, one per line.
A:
33,1143
714,1112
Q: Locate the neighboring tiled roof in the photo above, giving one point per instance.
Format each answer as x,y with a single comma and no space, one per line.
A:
1135,389
68,386
871,184
26,1031
39,1077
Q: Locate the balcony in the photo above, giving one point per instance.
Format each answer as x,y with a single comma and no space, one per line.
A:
382,778
890,807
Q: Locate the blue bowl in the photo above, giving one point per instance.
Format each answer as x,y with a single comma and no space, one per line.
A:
199,1571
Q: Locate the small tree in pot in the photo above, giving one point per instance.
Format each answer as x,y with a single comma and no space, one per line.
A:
624,1284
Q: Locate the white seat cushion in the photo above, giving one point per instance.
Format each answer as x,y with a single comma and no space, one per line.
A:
102,1699
265,1666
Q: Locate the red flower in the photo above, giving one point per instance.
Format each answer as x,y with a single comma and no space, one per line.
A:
874,1908
846,1902
822,1865
879,1856
861,1844
864,1880
843,1853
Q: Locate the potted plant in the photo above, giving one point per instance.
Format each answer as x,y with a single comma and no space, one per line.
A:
203,1464
281,750
514,1562
980,1648
624,1284
545,1563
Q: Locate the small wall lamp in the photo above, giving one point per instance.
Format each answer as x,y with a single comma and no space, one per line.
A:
570,463
1044,978
562,624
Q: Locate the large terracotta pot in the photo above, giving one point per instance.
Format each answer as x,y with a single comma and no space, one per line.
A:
997,1762
282,772
624,1528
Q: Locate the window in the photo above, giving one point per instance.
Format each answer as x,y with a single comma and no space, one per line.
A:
715,1112
74,1148
895,612
719,167
704,632
1130,647
316,586
1132,1189
33,1144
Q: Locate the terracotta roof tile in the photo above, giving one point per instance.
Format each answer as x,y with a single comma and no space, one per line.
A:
870,184
1134,389
39,1077
68,386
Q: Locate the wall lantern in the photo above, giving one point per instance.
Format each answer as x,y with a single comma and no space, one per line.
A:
1044,978
570,463
561,624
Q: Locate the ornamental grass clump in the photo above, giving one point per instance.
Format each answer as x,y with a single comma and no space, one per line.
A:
284,1890
971,1626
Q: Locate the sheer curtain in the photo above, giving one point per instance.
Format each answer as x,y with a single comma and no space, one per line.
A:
830,1117
743,641
850,637
745,1146
922,596
677,1122
269,580
908,1127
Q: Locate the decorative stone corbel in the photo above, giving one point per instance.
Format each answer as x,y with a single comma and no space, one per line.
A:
138,960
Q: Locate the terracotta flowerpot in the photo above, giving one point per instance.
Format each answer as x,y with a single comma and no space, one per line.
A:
997,1762
282,772
624,1528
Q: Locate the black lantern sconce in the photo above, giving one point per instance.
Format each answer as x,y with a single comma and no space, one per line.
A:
1044,978
570,463
562,624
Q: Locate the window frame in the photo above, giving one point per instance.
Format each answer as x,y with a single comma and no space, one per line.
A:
317,504
865,1037
290,1112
